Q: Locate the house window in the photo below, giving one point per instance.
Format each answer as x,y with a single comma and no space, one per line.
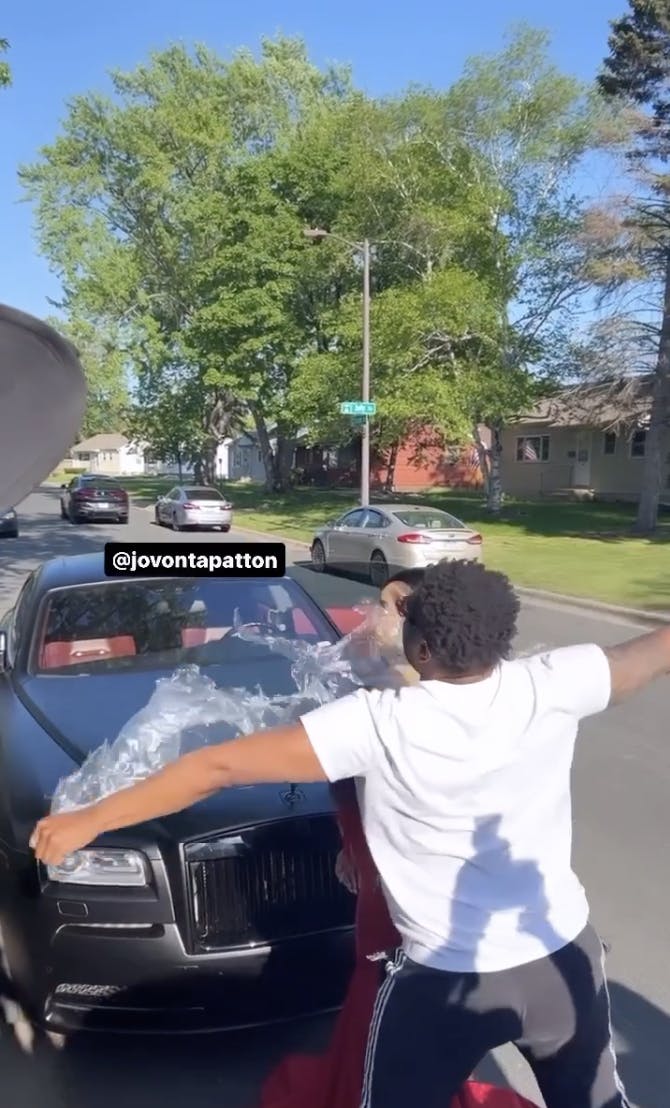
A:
533,448
638,444
609,443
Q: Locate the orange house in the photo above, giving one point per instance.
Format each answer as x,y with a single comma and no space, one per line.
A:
424,460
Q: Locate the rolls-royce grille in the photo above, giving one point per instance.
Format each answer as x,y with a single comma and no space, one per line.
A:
266,884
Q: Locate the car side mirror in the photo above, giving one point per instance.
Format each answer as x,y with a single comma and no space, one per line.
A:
4,654
63,486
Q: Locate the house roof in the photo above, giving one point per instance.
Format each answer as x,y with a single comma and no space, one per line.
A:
607,405
112,441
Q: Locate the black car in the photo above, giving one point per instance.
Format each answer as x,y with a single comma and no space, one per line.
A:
9,524
224,916
91,497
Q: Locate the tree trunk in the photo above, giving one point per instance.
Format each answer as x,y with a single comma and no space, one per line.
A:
284,461
657,439
494,492
391,463
484,455
265,448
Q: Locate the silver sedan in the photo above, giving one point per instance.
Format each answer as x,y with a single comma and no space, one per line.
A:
380,540
194,506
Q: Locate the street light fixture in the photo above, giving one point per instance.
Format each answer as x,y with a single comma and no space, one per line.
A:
317,234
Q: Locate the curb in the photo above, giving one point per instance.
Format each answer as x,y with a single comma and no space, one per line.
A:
584,603
581,603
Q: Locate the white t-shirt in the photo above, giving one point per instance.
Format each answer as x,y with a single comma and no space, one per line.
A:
464,791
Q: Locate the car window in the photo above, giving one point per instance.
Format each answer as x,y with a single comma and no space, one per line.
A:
100,483
20,620
171,622
353,519
203,494
375,521
172,495
429,519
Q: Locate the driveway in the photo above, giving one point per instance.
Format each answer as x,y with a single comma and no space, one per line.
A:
622,832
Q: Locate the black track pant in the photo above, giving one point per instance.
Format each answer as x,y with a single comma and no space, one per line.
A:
431,1029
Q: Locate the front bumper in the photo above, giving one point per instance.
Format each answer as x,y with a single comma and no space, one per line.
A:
145,983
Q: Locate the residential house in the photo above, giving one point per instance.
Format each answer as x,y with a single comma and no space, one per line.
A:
240,458
424,460
112,454
588,441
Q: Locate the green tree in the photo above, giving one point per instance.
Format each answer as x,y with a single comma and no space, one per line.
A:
161,209
5,71
529,126
637,72
106,374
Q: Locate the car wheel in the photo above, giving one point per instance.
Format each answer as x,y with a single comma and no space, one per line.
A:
63,513
318,557
123,519
225,529
379,570
74,518
13,534
157,519
175,525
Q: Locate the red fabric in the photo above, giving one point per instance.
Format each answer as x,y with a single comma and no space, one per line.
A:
55,655
334,1079
346,619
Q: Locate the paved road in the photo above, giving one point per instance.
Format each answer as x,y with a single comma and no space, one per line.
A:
622,817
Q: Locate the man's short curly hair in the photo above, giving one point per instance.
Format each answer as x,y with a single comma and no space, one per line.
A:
467,615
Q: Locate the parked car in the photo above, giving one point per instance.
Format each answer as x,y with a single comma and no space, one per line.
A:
9,524
381,540
226,915
194,506
93,497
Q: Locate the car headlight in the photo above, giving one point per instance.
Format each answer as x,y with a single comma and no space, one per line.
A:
101,867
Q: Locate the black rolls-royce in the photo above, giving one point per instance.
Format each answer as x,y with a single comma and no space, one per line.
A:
227,915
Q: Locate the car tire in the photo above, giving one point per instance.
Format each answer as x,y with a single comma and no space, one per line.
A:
74,518
157,519
12,534
225,529
318,557
63,513
175,525
378,570
123,520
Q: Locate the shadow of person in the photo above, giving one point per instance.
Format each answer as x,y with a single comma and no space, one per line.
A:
643,1033
493,882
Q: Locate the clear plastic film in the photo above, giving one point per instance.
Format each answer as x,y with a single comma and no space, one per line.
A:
190,705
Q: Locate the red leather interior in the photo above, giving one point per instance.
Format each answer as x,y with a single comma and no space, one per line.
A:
198,636
57,654
302,624
346,619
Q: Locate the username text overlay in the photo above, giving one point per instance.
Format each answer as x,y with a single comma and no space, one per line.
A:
150,559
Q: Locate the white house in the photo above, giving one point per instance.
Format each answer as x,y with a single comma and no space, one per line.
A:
111,454
240,459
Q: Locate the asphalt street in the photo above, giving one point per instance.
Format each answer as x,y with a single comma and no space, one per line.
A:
622,832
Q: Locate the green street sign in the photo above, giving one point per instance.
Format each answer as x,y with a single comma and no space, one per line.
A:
358,407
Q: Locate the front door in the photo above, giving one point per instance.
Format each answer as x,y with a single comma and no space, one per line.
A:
581,470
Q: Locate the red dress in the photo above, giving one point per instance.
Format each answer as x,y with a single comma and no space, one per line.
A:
334,1079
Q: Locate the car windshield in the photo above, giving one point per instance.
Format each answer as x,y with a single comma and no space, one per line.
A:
203,494
161,624
428,519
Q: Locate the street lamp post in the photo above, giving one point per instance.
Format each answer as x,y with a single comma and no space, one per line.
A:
316,234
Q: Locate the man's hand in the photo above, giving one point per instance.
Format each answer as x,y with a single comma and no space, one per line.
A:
346,872
56,837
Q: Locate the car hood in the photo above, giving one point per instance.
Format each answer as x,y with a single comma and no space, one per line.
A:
81,713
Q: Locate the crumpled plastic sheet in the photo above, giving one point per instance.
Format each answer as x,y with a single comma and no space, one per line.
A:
189,701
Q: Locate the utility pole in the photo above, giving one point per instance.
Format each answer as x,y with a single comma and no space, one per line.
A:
365,440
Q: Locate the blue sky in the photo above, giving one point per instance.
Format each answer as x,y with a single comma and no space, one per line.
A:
58,50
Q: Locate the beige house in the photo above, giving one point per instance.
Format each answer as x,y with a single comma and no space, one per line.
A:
589,442
112,454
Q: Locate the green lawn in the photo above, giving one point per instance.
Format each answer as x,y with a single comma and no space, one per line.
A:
577,549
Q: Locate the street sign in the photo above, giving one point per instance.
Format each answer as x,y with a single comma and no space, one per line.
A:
358,407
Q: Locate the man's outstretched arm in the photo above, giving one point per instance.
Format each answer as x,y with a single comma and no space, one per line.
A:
635,664
283,754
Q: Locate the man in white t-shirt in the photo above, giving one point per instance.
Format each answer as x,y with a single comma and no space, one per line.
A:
464,786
